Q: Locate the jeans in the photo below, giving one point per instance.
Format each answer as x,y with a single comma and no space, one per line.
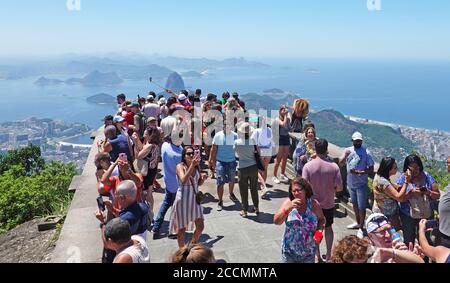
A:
165,205
248,179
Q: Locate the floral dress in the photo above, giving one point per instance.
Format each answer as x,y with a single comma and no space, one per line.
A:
298,238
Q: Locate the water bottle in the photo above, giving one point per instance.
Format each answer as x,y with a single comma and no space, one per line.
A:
395,235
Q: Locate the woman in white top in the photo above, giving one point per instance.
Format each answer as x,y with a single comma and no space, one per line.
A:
264,141
130,249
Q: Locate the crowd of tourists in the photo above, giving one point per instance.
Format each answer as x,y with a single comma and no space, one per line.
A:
193,138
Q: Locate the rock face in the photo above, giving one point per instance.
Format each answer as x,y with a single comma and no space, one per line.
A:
175,82
25,244
101,98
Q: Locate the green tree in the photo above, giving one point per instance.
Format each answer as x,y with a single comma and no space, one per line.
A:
29,157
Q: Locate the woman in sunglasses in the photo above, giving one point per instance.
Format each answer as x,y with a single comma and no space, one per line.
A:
186,211
304,223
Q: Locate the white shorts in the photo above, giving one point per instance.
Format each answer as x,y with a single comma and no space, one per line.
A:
266,152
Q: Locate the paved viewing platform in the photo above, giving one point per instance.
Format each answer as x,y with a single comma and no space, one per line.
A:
233,239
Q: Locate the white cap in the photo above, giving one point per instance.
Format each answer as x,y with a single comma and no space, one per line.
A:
375,221
357,136
162,100
182,97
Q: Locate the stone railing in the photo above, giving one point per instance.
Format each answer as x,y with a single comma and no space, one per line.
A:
80,238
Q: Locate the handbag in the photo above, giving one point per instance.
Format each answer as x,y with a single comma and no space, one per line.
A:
420,207
259,163
199,196
141,166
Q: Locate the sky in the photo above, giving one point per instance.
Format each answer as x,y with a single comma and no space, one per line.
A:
218,29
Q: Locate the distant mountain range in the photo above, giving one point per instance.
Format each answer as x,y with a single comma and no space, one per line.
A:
94,78
132,67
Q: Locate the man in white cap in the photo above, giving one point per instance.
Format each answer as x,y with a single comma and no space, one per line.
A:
360,163
151,108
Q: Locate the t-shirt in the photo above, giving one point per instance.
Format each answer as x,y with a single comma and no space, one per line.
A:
382,202
324,176
119,145
138,253
404,206
171,156
151,110
129,118
359,159
245,150
444,212
263,137
136,215
225,143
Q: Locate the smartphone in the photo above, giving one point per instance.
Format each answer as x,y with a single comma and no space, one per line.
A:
100,203
423,189
123,157
431,224
197,152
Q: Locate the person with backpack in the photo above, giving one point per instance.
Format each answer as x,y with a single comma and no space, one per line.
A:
139,120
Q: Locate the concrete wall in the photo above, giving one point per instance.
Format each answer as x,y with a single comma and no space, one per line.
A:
80,238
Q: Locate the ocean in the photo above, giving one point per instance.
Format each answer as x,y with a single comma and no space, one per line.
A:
413,93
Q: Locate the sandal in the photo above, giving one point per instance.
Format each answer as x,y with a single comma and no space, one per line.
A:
243,214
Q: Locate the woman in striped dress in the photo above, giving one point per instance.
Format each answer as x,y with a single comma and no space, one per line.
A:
186,211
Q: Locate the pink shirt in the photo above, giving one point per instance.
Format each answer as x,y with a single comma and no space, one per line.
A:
324,177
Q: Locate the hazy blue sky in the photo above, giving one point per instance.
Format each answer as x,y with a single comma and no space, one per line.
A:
214,28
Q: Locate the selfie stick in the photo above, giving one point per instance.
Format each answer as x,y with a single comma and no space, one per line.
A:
151,81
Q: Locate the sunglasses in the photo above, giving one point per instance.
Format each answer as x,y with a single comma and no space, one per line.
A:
189,153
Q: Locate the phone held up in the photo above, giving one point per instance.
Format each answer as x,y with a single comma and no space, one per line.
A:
123,157
100,203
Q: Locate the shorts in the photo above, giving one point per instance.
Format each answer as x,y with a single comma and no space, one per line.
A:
266,152
285,140
329,217
359,196
150,178
225,172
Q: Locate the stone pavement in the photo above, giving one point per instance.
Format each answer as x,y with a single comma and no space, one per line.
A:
235,239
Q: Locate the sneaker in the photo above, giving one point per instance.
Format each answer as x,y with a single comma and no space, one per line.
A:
360,234
220,206
275,180
283,178
243,214
233,197
353,226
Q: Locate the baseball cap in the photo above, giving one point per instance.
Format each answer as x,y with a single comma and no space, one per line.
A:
375,221
134,104
162,100
182,97
108,117
151,119
118,119
357,136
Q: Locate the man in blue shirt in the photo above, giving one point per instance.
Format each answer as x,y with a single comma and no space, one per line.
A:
171,156
359,164
223,160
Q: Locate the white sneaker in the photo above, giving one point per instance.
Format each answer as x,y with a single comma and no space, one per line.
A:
283,178
275,180
353,226
360,234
